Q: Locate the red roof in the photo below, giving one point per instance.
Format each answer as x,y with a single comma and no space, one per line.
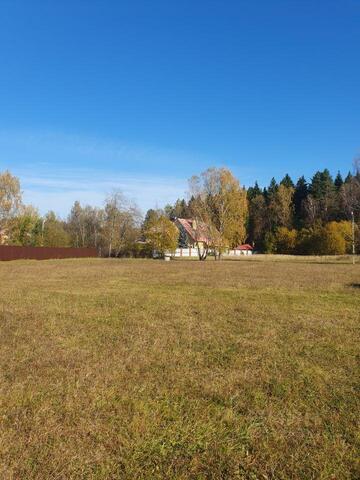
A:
246,246
198,234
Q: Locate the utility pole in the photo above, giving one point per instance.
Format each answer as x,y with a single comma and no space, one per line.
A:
353,237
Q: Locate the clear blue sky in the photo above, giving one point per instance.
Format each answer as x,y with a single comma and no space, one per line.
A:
140,95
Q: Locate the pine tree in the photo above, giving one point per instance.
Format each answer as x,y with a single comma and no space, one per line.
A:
316,187
273,187
265,194
327,182
323,191
348,178
338,181
287,181
270,192
338,200
300,195
253,191
322,184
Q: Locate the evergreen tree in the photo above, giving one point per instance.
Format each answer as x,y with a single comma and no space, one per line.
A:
183,238
150,216
265,194
270,192
348,178
322,184
338,181
169,211
273,187
179,210
316,185
300,195
323,193
287,181
270,199
339,213
253,191
54,234
327,181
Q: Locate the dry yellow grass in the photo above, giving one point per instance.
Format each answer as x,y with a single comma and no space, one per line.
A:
140,369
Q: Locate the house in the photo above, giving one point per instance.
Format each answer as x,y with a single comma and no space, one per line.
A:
193,236
192,233
245,249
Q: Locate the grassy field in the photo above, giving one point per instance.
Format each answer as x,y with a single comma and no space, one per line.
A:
141,369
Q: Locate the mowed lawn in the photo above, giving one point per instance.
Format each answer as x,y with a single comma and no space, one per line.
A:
142,369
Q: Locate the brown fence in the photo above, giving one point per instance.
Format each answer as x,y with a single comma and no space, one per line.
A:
44,253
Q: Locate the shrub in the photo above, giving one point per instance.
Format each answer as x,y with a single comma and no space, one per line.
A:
269,243
334,238
285,240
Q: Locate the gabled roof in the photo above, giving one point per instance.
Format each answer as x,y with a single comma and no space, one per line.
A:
246,246
198,234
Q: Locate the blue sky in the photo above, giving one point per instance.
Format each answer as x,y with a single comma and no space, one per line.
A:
139,95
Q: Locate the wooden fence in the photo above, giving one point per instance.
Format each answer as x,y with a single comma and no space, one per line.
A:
8,252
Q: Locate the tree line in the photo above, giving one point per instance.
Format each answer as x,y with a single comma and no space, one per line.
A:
112,229
305,217
289,217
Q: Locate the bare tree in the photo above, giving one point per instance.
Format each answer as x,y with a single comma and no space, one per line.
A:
350,197
121,222
311,209
77,224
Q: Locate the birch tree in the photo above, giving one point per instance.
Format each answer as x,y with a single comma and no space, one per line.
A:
121,223
10,197
220,207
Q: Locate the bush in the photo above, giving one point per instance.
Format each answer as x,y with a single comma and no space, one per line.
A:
285,240
309,241
142,250
269,243
334,238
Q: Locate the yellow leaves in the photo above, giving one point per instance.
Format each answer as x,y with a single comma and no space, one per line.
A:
221,202
10,195
162,234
